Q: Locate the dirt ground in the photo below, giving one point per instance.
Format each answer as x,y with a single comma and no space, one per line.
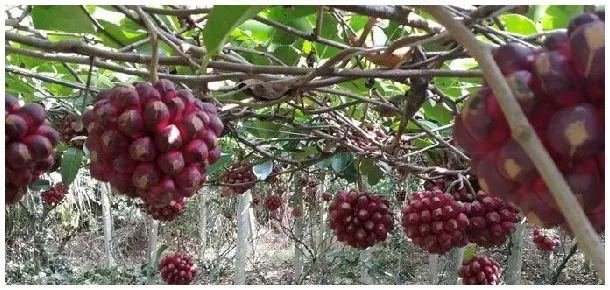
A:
273,262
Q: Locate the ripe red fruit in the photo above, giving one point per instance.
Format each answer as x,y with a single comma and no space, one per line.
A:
326,197
166,213
361,219
491,220
29,146
273,202
561,89
241,175
55,195
177,269
138,142
71,127
297,212
545,241
480,270
435,221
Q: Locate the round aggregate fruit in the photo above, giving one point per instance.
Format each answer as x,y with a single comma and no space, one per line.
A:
491,220
239,174
152,141
29,147
480,270
311,189
177,269
545,241
560,88
273,202
297,212
166,213
70,128
435,221
361,219
326,196
55,195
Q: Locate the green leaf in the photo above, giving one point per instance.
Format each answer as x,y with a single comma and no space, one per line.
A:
517,23
301,24
287,13
558,16
157,256
469,251
66,18
287,54
225,158
40,185
340,161
263,170
70,163
221,21
357,22
371,170
437,112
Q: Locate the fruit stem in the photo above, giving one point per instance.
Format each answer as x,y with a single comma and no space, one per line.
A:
523,133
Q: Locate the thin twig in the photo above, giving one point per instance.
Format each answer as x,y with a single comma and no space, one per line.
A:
154,41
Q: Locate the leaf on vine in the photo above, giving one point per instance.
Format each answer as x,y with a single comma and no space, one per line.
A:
70,163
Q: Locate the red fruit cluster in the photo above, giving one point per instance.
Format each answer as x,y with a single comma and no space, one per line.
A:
312,188
326,196
297,212
242,176
29,147
55,195
491,220
70,128
361,219
273,202
166,213
177,269
545,241
154,142
560,88
480,270
435,221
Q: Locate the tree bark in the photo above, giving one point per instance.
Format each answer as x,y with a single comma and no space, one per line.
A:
107,216
512,274
242,236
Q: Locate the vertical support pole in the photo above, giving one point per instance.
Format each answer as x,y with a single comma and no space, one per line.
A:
107,216
433,269
512,274
152,227
365,257
242,236
297,264
454,262
203,224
